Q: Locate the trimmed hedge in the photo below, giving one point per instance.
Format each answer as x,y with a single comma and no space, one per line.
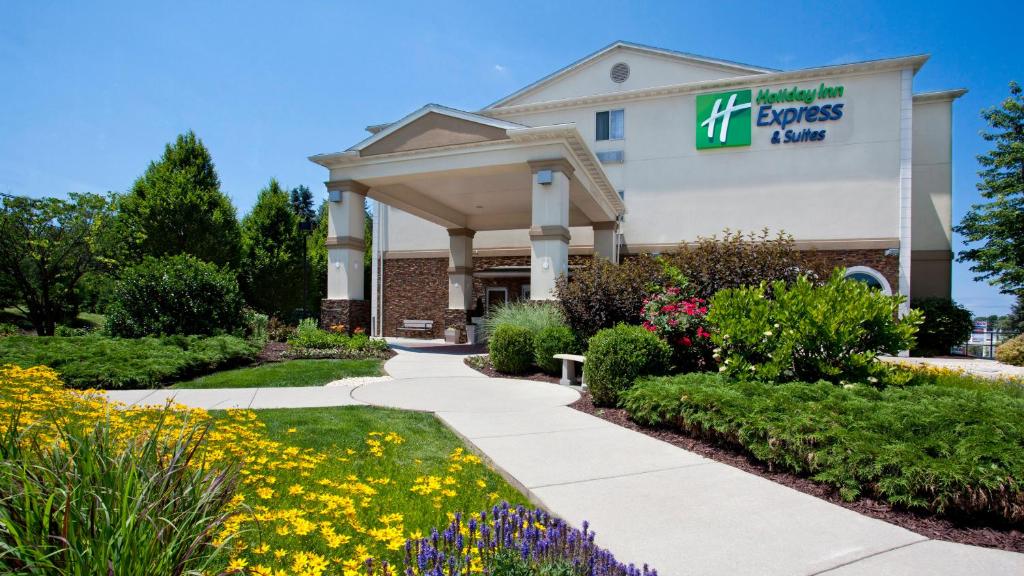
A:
111,363
617,356
511,349
937,448
550,341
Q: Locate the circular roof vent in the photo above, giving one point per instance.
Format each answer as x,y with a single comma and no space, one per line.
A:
620,72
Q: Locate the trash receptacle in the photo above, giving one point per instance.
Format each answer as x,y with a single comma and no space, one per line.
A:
451,335
470,334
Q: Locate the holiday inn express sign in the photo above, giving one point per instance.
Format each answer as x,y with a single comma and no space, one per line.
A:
726,119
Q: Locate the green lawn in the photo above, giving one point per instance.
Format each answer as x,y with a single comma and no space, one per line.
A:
286,374
367,498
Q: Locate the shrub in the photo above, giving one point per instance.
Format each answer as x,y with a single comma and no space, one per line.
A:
511,349
256,326
945,324
514,542
600,294
738,259
7,329
832,332
278,331
308,341
617,356
175,295
534,316
920,447
93,504
550,341
1012,351
677,317
96,361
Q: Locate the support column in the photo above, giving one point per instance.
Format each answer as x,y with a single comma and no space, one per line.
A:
549,232
604,241
345,302
460,279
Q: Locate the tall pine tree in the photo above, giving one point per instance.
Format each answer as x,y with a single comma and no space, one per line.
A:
994,230
177,207
271,270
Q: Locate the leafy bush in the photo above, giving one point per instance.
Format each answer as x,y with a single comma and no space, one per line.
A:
511,349
942,449
94,505
7,329
175,295
514,542
1012,351
739,259
945,324
256,326
617,356
600,294
550,341
534,316
832,332
111,363
278,331
308,341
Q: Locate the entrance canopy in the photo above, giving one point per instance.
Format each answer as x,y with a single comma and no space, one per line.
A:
468,173
463,170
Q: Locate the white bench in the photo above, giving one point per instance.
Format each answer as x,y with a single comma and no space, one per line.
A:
569,369
416,326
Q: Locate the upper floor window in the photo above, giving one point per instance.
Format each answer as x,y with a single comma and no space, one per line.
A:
611,125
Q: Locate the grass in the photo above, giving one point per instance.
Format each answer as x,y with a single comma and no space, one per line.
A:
374,498
286,374
97,361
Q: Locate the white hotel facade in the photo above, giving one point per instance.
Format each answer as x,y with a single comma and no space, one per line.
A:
632,150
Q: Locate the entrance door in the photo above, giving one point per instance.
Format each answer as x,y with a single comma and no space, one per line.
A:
496,297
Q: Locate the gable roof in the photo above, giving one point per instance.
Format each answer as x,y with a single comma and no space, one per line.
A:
389,129
686,57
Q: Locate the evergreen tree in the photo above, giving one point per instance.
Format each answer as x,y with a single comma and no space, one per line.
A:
1015,321
302,204
177,207
271,270
996,228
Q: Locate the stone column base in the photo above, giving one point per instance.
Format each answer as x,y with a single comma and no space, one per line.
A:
350,313
457,319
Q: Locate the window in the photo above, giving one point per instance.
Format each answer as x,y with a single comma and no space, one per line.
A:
611,125
869,276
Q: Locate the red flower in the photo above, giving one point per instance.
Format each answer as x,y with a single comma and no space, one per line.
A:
685,341
702,333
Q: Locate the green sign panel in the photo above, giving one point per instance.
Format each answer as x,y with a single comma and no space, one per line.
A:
723,119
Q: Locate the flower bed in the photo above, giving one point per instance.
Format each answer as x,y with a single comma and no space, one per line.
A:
319,491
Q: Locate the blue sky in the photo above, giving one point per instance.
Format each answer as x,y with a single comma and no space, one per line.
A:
93,90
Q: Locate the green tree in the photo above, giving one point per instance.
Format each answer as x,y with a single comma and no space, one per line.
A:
1015,320
996,228
46,246
177,207
301,200
271,271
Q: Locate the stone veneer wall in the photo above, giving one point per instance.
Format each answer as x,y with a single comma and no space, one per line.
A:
417,288
350,313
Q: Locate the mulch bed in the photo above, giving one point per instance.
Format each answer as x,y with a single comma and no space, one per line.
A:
484,367
936,527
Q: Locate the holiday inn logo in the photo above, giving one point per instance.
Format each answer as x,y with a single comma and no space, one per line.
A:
723,119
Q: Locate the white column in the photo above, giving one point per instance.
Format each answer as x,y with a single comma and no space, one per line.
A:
604,240
905,183
460,269
549,232
345,242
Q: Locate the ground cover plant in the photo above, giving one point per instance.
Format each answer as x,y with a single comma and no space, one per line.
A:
96,361
286,374
320,490
937,448
802,331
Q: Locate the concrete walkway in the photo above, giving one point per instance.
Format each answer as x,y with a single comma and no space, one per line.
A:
648,501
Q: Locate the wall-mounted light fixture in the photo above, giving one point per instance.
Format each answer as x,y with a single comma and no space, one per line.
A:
545,177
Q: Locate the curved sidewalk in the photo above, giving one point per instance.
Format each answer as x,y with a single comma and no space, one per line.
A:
648,500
